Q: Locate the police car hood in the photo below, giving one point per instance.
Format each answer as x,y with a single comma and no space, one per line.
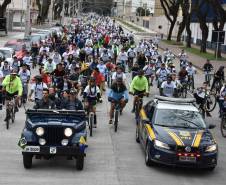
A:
183,137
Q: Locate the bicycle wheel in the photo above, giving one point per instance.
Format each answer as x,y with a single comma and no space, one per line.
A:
116,120
7,119
91,121
211,102
184,92
13,115
223,126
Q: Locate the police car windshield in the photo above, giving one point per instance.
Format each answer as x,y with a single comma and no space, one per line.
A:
179,118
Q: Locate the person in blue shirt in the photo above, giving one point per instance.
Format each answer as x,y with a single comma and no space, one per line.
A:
118,93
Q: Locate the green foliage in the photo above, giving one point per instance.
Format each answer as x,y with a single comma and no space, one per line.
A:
142,12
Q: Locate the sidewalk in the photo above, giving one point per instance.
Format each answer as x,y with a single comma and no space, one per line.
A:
197,61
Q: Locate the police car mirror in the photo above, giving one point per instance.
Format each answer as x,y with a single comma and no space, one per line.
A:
212,126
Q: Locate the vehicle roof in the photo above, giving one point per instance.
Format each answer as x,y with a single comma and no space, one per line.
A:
178,106
6,48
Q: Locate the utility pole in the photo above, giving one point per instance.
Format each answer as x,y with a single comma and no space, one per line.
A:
27,20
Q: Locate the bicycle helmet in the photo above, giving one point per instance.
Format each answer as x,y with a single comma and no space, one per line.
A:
38,78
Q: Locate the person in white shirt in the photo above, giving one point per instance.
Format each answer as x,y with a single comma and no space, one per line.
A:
191,73
27,59
49,66
56,58
119,74
65,55
37,89
122,57
44,48
168,88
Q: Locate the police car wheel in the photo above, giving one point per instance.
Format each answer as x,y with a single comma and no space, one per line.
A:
137,135
210,168
80,162
27,161
148,161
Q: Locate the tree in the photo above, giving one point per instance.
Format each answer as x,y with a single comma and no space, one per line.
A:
43,9
171,8
199,8
3,7
140,11
186,20
219,20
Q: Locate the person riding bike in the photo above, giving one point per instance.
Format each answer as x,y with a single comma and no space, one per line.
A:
139,87
13,87
131,55
117,93
119,74
207,68
168,88
219,76
161,74
191,72
91,95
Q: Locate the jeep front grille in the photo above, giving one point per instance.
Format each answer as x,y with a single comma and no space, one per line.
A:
54,135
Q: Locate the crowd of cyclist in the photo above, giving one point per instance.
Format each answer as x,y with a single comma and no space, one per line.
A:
75,66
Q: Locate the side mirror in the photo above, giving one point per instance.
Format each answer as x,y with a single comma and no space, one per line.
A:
212,126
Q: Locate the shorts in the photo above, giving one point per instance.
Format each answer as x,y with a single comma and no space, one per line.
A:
10,96
139,93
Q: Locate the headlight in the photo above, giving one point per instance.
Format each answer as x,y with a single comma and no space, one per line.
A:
211,148
68,132
161,145
64,142
40,131
42,141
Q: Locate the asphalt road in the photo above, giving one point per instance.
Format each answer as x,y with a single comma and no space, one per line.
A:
112,158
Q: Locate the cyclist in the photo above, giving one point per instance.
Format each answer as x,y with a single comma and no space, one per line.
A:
37,89
191,72
6,69
24,75
117,93
161,74
183,58
200,97
139,87
168,88
49,66
27,59
149,72
45,102
122,58
183,75
219,76
13,87
90,95
207,68
131,55
105,56
221,98
119,74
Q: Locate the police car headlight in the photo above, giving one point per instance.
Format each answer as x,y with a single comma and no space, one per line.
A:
211,148
68,132
160,144
64,142
40,131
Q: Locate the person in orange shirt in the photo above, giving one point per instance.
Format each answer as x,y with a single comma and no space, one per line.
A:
100,79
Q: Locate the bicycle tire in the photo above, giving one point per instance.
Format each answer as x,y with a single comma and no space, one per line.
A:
7,119
13,115
214,103
184,92
116,120
223,127
91,120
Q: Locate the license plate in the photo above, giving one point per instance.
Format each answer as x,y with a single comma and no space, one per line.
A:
52,150
187,159
32,149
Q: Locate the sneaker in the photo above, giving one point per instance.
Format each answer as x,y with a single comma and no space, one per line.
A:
110,121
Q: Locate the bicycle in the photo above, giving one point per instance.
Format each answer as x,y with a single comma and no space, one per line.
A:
116,115
138,106
208,77
10,111
91,118
217,87
223,125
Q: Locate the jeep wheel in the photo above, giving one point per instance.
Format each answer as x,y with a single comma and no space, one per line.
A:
27,160
80,162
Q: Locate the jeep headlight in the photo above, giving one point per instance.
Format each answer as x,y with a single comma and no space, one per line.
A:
40,131
68,132
160,144
211,148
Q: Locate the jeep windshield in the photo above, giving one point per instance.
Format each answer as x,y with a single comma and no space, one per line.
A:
179,118
37,119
